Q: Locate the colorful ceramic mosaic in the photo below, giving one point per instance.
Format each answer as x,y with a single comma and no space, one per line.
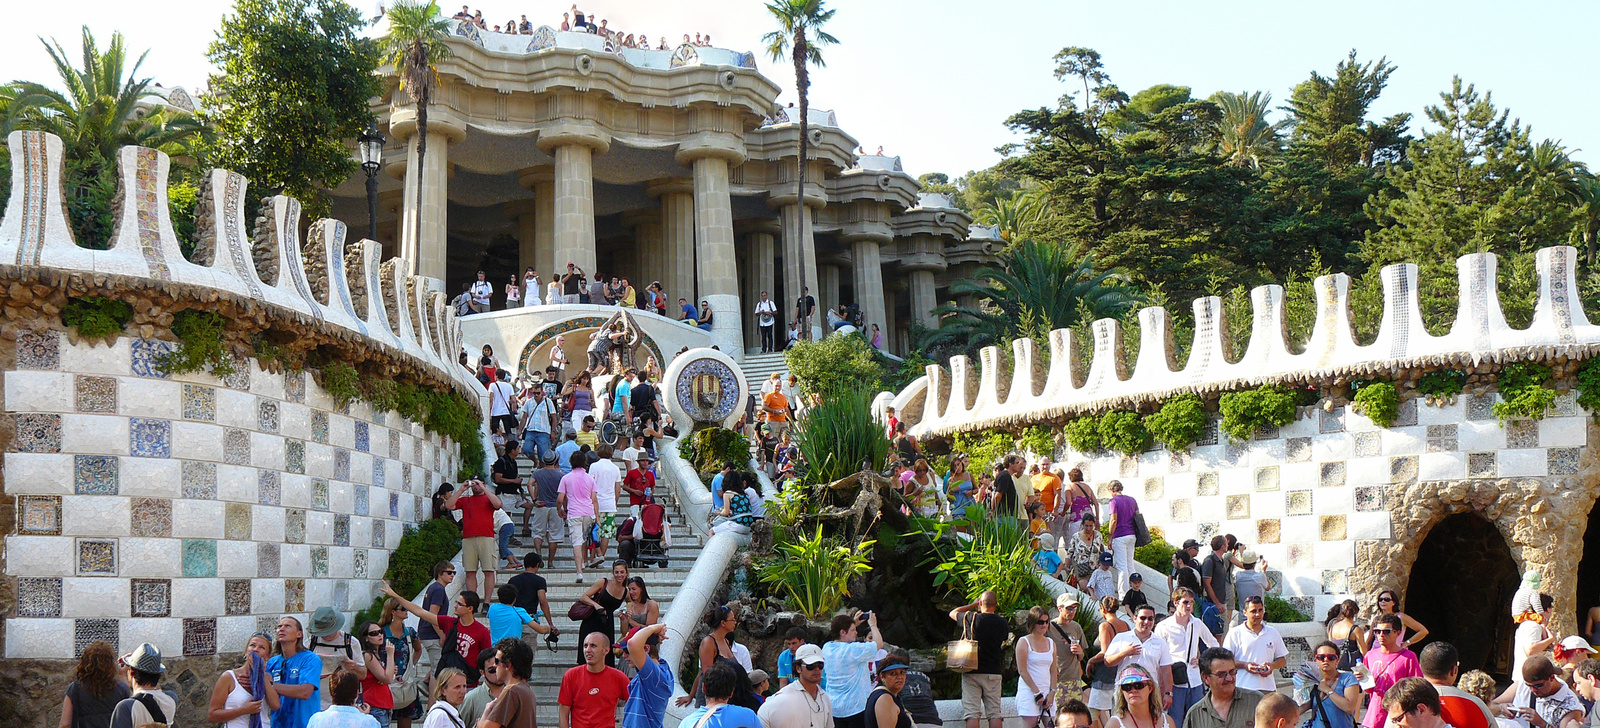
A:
236,522
86,632
39,515
1481,465
199,403
39,350
294,387
341,530
361,563
236,597
294,595
363,436
319,426
39,597
150,597
267,415
233,199
236,446
1442,438
319,561
559,328
1332,474
379,534
199,636
294,525
95,474
149,438
37,433
269,488
148,211
1521,434
96,394
199,557
34,191
146,357
319,494
362,495
269,559
97,557
151,517
341,464
199,480
294,456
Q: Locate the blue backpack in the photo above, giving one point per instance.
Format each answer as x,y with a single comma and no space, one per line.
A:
1211,616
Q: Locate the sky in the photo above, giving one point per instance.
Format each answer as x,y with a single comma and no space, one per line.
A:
934,80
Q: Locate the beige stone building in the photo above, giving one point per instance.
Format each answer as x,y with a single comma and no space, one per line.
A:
674,166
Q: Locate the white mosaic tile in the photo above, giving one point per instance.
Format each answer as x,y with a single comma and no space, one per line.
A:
197,597
1523,463
154,477
197,518
1563,432
91,515
94,434
39,391
151,398
35,555
38,473
1442,466
85,597
197,441
156,558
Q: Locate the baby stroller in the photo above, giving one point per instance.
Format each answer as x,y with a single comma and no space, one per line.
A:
653,539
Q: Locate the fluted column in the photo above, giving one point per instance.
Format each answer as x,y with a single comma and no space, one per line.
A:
717,279
677,231
536,238
868,269
574,206
800,259
828,296
648,249
890,325
923,298
749,291
423,222
764,259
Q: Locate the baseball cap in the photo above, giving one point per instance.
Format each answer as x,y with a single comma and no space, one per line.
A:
1191,544
1132,675
758,676
1066,600
894,665
808,654
1136,576
1105,557
1576,643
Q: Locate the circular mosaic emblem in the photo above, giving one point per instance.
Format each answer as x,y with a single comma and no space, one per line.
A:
708,390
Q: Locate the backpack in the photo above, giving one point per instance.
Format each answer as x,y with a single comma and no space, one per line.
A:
451,657
1211,616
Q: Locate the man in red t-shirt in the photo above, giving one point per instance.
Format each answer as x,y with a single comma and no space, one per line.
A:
472,634
637,482
479,552
1441,665
591,692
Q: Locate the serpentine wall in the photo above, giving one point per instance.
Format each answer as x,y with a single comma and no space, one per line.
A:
189,510
1338,505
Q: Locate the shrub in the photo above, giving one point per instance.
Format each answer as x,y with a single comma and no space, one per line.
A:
906,371
835,364
1379,402
815,572
1039,440
1522,388
341,381
200,346
94,317
1179,423
839,436
1442,383
1083,434
998,558
983,449
1589,386
1158,553
710,447
1280,610
1124,432
1245,412
411,563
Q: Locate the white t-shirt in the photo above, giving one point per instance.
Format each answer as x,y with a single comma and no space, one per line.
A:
1551,709
606,475
481,291
1153,655
500,394
630,455
1263,647
764,312
1527,634
1186,642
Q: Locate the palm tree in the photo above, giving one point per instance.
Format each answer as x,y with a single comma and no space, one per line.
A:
1247,138
415,47
796,19
1038,287
1015,217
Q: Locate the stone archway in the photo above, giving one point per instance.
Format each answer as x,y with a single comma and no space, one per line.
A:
1462,583
1589,568
575,325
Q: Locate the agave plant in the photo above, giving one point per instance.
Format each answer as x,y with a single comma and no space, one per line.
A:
814,572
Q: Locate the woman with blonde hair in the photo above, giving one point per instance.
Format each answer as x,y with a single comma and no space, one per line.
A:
449,689
234,700
1137,704
1103,676
1036,669
92,697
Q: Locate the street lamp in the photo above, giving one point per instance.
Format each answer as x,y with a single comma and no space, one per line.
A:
370,143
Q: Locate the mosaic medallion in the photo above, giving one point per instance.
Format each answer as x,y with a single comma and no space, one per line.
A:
39,350
199,480
39,515
96,394
37,433
97,557
708,390
149,438
151,597
199,403
38,597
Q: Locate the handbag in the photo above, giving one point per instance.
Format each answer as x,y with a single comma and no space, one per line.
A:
404,688
962,655
580,610
1141,532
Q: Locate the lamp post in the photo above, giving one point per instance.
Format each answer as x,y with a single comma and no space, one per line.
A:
371,145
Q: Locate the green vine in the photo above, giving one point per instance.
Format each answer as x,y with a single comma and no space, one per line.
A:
1124,432
1243,413
341,382
1039,440
1083,434
1179,423
983,449
94,317
1589,386
1522,388
1442,383
200,347
1379,401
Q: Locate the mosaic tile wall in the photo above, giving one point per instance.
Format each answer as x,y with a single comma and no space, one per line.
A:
1305,494
186,510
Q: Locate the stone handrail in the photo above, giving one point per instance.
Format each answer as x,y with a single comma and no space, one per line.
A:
689,607
968,398
259,262
694,499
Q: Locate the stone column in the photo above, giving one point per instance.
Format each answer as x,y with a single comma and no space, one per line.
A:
868,271
574,145
890,325
798,243
717,279
828,297
648,249
923,297
749,292
677,228
538,233
423,222
763,268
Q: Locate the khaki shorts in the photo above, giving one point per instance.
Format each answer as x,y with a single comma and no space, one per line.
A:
980,696
578,529
546,523
479,553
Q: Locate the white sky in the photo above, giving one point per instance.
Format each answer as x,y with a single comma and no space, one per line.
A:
933,80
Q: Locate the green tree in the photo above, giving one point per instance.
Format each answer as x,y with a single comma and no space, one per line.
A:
939,183
294,85
1038,288
1247,138
1145,104
414,48
96,111
1329,114
1083,64
800,34
1017,218
834,364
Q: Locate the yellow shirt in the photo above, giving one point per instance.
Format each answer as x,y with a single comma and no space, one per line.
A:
588,438
630,298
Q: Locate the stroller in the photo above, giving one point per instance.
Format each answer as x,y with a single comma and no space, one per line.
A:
652,536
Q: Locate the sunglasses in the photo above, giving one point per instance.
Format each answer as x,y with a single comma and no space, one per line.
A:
1382,630
812,666
451,572
1326,658
375,633
1130,687
1385,599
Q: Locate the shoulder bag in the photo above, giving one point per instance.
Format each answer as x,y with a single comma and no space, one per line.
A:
1141,533
404,687
962,655
580,610
452,657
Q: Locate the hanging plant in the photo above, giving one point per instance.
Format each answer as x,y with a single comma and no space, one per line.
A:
1179,423
95,318
1379,401
1522,388
1243,413
1589,386
1038,439
200,347
1124,432
1442,385
1083,434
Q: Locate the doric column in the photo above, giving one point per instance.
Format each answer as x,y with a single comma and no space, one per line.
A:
868,270
574,145
537,233
677,230
800,260
923,297
764,265
890,326
828,296
649,249
711,153
424,219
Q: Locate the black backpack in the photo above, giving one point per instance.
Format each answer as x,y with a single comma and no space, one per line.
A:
451,656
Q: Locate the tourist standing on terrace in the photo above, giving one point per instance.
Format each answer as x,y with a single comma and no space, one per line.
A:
1186,638
980,688
1389,603
482,291
572,281
848,681
805,305
766,319
1216,573
1068,636
1123,508
1388,662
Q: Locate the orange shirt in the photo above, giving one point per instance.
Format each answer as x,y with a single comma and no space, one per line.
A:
1048,486
777,406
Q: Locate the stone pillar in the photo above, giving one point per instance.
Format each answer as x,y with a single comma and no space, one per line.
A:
749,293
800,260
890,325
868,277
574,207
423,222
537,233
923,298
717,279
677,228
828,297
764,260
649,249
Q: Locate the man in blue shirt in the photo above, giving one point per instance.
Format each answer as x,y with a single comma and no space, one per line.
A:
691,315
296,671
652,684
848,680
719,681
564,452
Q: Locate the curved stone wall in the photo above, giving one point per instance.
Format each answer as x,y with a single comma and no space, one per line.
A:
189,510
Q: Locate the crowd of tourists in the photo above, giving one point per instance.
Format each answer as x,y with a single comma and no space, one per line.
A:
577,20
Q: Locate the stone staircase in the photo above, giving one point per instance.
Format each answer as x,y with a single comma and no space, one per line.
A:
758,367
663,585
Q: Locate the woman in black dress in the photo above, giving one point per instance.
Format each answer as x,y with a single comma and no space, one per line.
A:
605,597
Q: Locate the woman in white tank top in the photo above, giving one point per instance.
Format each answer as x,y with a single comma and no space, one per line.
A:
1036,663
231,702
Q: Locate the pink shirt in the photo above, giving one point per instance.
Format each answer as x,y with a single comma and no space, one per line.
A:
1387,668
579,488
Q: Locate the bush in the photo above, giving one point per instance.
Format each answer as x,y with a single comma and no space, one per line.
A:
1281,611
199,335
1522,388
998,558
1157,554
814,572
708,448
1124,432
835,364
1179,423
905,372
983,449
411,563
1379,402
94,317
839,436
341,381
1442,383
1268,405
1083,434
1039,440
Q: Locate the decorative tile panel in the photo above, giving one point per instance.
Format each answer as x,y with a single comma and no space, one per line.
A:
1154,489
319,426
240,377
1333,528
151,597
199,636
1207,530
319,561
199,557
294,456
341,529
394,506
1267,478
38,433
236,597
1566,405
294,595
96,394
1297,449
236,524
1407,415
1300,556
1442,438
267,415
1305,605
319,494
146,355
236,446
379,474
1335,581
394,445
86,632
416,507
199,403
341,464
39,350
1403,469
1298,502
1238,507
294,526
361,563
294,387
1332,474
1330,422
1481,465
151,518
199,480
1521,434
1480,407
39,515
269,487
1370,498
1128,468
1208,435
97,557
1266,432
95,475
38,597
363,436
269,559
379,534
1367,444
1205,484
149,438
1268,530
362,493
1563,460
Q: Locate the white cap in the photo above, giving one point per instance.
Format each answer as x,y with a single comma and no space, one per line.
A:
1576,643
808,654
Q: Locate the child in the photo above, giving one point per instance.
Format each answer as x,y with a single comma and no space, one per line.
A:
759,683
506,619
1103,582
